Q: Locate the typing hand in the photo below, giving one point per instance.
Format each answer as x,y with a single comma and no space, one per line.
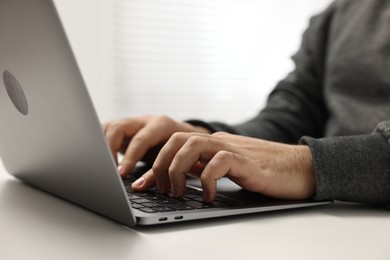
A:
273,169
136,137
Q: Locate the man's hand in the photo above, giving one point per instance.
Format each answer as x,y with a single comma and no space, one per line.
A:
273,169
134,137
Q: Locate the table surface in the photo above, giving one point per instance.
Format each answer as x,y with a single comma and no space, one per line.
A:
36,225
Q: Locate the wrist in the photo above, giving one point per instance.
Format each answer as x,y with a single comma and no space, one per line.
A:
306,168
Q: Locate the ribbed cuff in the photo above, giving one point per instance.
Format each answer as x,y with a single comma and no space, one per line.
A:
352,168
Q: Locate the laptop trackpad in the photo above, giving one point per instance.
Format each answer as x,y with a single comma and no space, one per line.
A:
226,187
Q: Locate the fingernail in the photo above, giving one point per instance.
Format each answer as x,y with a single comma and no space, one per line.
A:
139,181
120,169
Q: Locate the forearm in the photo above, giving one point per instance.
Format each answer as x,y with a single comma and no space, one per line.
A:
292,111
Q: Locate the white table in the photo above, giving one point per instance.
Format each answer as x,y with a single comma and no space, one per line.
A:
35,225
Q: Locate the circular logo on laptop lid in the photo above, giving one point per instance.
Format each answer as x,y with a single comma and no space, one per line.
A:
15,92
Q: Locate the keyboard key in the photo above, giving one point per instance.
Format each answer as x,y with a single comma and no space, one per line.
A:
151,204
180,206
163,209
219,204
147,210
197,205
133,196
141,200
137,206
152,201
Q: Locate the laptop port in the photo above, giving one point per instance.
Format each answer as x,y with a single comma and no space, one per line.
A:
178,217
163,219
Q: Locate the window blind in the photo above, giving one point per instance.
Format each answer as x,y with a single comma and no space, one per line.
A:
206,59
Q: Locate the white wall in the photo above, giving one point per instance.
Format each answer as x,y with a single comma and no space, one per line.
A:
83,23
209,59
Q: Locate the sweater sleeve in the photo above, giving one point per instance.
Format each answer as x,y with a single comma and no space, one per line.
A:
296,107
353,168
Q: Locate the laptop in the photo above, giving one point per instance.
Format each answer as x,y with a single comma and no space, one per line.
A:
51,138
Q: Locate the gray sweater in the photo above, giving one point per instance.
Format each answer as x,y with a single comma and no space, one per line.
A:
337,101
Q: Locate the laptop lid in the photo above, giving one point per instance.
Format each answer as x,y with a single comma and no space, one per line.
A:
50,136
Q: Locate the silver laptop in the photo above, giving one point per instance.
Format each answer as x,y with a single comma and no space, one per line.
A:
51,138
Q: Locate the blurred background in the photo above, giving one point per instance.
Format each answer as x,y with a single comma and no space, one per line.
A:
205,59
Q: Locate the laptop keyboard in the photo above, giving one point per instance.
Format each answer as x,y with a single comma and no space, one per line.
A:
152,201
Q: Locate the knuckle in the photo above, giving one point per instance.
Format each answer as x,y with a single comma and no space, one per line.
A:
115,126
122,121
165,120
174,166
226,156
157,166
205,177
239,159
140,138
195,141
175,137
222,156
172,170
110,124
220,134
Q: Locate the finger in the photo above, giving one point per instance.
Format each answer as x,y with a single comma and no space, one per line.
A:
143,141
144,183
164,158
198,148
114,139
118,134
136,149
224,163
105,126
